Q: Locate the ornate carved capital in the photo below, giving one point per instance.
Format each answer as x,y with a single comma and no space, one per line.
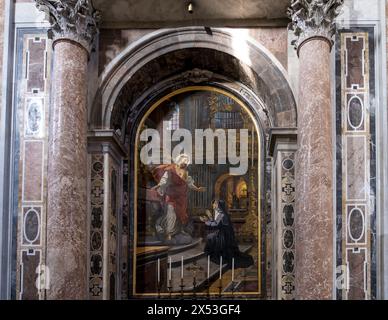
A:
313,18
76,20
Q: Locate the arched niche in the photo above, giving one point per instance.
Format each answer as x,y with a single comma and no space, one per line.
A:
164,54
169,60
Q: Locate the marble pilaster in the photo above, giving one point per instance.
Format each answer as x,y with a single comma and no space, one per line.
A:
313,24
282,148
107,153
74,25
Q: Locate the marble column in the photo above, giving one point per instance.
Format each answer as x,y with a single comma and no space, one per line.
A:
74,24
313,24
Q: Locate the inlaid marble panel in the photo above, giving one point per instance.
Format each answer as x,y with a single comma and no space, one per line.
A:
108,265
356,169
96,227
32,182
355,64
31,226
34,117
113,233
287,228
33,51
268,227
29,264
36,57
357,269
125,263
355,163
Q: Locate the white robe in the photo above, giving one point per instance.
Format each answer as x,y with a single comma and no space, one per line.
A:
168,223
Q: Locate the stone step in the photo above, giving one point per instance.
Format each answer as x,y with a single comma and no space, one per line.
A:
153,242
189,255
201,277
176,249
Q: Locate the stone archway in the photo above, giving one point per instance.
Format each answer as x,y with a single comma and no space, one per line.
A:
271,85
156,65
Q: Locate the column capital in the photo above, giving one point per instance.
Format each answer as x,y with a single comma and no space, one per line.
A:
75,20
313,19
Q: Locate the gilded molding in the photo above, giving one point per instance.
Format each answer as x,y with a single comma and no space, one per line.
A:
313,19
75,20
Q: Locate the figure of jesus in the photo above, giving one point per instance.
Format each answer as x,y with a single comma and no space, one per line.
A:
173,184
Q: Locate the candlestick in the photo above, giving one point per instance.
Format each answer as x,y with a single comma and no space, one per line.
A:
169,273
170,287
195,285
233,288
232,269
208,287
208,267
182,268
158,270
159,288
220,267
182,286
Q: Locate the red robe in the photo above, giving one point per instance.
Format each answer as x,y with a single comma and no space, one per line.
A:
176,192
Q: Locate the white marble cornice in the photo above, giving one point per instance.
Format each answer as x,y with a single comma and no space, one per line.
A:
313,19
75,20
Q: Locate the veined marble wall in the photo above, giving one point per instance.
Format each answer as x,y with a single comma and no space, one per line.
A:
385,220
356,164
2,8
361,140
356,179
33,52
